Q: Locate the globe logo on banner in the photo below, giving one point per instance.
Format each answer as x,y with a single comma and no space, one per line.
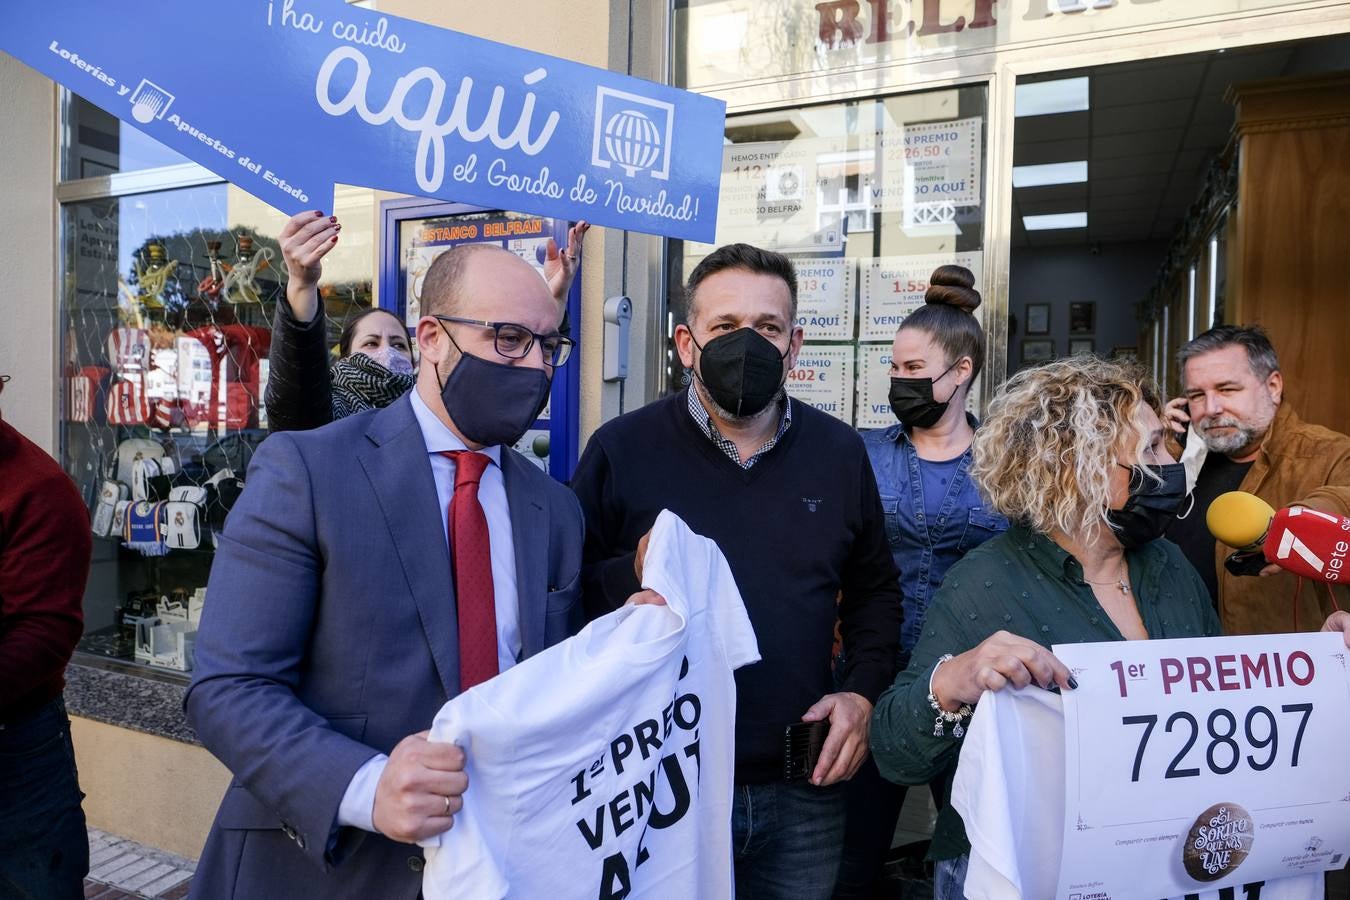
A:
632,132
631,140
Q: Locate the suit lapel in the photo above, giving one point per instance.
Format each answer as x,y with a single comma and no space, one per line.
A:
399,469
529,533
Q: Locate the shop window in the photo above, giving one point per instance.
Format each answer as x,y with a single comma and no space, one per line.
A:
97,143
867,198
167,308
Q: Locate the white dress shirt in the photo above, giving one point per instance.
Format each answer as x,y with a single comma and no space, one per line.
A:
358,802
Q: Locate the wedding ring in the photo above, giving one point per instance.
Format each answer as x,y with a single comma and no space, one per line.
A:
447,805
571,257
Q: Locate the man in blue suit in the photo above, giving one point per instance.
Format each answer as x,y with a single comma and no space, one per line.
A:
373,569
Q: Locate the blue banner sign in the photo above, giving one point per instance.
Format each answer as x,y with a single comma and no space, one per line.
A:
285,98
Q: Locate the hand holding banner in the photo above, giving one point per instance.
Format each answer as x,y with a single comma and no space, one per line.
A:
387,103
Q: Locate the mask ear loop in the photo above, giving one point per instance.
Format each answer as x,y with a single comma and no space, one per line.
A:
1189,509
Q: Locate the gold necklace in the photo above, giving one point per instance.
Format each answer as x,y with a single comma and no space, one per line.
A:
1121,582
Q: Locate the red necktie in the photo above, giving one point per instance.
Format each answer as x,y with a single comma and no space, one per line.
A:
471,567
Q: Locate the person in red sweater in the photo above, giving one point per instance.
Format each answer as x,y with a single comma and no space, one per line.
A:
44,562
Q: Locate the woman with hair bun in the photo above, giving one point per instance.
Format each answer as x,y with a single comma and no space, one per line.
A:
934,514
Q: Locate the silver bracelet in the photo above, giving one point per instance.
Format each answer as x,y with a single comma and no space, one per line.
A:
943,716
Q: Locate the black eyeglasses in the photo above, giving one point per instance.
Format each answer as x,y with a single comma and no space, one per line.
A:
515,341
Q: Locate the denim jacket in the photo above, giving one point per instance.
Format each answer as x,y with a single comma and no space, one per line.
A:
924,551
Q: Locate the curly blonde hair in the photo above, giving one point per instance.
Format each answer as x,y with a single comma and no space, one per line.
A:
1045,453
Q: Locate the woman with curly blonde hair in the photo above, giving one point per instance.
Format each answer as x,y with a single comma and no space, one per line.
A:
1072,453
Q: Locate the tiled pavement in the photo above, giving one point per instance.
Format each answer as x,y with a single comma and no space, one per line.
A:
120,869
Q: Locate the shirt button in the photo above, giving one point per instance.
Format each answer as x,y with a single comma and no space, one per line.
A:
988,584
1026,596
1045,629
1007,617
1093,620
416,863
973,616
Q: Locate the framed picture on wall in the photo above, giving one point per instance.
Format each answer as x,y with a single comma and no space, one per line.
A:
1125,354
1035,352
1038,318
1082,346
1082,318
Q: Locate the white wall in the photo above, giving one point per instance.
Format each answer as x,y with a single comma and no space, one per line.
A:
28,345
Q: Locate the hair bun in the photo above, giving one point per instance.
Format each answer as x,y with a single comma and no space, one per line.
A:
953,286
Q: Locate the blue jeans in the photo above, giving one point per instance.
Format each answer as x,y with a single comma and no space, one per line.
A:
949,879
786,840
44,848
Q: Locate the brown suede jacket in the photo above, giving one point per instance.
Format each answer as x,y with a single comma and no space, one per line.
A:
1298,464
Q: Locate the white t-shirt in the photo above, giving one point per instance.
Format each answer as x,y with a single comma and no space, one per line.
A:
1009,790
602,767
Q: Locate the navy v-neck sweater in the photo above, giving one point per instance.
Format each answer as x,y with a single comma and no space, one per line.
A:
801,528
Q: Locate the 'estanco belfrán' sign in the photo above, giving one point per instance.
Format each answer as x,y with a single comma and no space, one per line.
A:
285,98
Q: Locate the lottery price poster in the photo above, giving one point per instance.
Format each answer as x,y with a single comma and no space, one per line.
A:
874,386
894,286
930,162
825,297
768,197
823,377
1205,764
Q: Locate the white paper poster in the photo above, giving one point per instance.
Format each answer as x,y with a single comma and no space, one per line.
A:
769,196
893,287
823,377
874,386
825,298
932,162
1204,764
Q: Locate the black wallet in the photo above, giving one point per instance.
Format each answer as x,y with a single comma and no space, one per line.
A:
801,748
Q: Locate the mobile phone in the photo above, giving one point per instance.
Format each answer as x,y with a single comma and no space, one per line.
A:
801,748
1250,562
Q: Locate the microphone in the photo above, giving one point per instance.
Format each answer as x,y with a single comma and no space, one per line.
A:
1308,542
1240,520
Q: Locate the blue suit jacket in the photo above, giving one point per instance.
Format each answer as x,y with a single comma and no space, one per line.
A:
329,633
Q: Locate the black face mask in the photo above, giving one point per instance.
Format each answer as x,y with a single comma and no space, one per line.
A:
493,403
742,371
1151,506
912,400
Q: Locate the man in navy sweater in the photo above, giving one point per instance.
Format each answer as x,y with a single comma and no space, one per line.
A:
788,495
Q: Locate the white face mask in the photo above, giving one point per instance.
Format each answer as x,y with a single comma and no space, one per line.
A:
391,359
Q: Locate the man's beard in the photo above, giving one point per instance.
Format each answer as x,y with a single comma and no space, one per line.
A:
727,416
1244,434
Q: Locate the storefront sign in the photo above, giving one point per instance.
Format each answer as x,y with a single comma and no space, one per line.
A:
823,377
895,285
1199,765
932,162
739,41
825,297
285,98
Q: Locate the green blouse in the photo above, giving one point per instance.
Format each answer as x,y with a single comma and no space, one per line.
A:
1024,583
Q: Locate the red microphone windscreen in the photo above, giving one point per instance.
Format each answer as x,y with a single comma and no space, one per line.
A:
1310,543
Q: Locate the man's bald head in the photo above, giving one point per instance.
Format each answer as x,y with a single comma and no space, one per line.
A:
440,287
